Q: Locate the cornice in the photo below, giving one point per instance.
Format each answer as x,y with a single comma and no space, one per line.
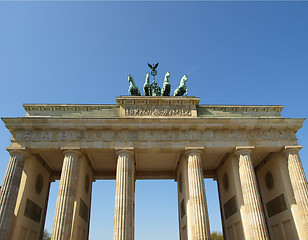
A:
89,107
151,123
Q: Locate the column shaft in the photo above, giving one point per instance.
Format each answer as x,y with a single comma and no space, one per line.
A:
198,221
298,182
65,202
124,197
9,192
251,197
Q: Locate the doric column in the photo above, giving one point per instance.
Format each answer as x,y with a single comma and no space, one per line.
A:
298,181
255,216
125,196
9,191
198,220
62,224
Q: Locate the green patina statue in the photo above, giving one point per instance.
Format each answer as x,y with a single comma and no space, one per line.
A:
133,89
147,87
182,89
156,89
167,86
152,89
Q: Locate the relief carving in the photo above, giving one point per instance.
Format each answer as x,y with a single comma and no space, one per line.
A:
150,135
63,135
46,135
28,135
156,110
80,135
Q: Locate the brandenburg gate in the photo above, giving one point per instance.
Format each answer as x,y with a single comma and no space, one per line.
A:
251,151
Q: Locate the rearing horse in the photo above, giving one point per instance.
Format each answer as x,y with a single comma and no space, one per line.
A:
182,89
133,89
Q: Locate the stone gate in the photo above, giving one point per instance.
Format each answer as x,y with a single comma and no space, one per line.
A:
251,151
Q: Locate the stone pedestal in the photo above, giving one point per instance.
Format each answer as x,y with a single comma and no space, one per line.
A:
298,181
251,195
9,191
198,221
125,196
65,202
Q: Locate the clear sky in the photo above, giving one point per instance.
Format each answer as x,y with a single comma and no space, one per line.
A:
81,52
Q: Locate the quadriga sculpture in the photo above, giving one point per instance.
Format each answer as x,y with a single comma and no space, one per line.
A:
133,89
182,89
147,88
166,87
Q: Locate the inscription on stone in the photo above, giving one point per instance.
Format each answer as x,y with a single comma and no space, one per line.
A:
146,110
83,211
230,207
277,205
33,211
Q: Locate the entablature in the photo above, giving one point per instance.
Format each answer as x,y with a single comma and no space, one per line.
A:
42,132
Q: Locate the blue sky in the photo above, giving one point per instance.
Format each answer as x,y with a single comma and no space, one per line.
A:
81,52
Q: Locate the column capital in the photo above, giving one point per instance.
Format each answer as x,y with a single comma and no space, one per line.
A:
243,149
20,151
128,150
71,150
196,150
291,149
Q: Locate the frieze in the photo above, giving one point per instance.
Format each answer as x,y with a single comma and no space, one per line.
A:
153,135
158,110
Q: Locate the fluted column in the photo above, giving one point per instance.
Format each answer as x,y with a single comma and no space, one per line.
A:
124,196
62,224
198,220
298,181
9,191
253,208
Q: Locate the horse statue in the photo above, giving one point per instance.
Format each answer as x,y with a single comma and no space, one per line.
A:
166,87
147,88
182,89
133,89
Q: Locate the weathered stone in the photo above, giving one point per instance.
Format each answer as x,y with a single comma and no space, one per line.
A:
298,181
125,196
62,225
9,191
251,196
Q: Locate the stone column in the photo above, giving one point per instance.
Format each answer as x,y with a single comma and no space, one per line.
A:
62,224
124,196
252,202
9,191
197,214
298,181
